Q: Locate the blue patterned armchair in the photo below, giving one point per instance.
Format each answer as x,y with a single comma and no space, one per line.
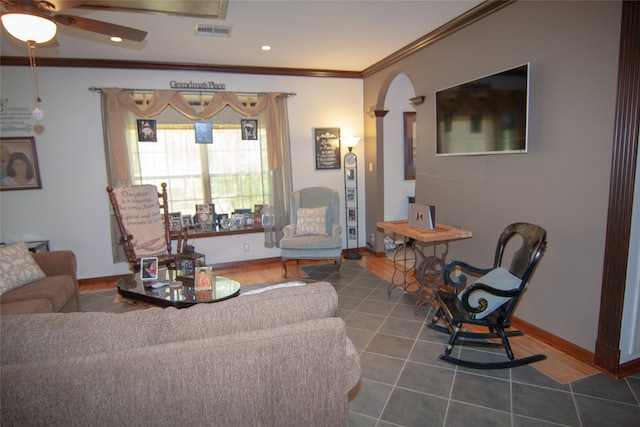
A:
315,231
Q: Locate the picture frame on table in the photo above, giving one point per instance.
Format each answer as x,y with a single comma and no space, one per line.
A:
20,170
203,278
149,269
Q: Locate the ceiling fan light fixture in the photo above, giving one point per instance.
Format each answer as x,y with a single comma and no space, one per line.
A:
27,27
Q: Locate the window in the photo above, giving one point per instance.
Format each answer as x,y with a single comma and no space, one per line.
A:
228,172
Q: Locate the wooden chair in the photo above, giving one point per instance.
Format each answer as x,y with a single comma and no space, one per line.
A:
142,216
490,301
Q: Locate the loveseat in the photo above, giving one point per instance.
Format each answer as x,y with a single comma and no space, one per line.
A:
57,292
275,358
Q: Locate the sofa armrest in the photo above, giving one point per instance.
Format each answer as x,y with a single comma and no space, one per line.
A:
57,263
336,229
289,231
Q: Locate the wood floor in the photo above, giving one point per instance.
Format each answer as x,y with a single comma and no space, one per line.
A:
560,366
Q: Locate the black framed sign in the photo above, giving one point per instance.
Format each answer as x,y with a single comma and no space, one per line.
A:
327,145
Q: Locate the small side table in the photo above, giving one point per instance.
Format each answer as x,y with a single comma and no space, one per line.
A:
38,246
429,274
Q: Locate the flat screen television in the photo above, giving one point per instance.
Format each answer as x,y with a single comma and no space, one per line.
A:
488,115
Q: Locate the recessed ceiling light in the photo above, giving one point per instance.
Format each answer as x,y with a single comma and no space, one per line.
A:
265,47
116,39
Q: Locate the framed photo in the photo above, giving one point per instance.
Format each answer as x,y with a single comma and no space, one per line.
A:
175,221
409,145
327,145
20,169
147,130
350,174
351,215
204,132
352,232
351,195
249,129
203,278
187,221
149,268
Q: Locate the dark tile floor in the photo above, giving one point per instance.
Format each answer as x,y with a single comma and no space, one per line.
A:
404,384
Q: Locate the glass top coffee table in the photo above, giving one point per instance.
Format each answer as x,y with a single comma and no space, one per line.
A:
132,287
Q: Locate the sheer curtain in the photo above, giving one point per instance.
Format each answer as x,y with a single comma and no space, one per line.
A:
120,111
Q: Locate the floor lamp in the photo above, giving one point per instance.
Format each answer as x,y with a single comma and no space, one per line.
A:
351,196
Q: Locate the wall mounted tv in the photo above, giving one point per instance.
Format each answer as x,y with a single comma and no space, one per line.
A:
484,116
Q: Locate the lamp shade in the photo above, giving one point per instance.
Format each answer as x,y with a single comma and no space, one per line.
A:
351,141
27,27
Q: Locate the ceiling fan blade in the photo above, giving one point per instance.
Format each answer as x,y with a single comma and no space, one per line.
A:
59,5
100,27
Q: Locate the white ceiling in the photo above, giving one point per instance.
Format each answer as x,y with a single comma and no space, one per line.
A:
348,35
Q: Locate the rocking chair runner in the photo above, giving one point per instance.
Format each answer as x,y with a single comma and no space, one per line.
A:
142,216
491,300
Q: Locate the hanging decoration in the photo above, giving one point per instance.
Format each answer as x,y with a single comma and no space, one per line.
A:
37,112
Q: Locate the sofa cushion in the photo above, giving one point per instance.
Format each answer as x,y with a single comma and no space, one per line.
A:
37,337
312,221
57,289
18,267
38,305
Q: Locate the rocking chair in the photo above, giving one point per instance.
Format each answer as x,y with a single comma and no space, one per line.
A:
143,221
491,300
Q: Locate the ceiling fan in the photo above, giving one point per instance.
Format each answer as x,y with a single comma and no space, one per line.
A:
45,14
36,20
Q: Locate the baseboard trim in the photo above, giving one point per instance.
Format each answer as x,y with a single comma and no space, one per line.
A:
563,345
100,280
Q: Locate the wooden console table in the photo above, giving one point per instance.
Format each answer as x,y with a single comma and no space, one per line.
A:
429,274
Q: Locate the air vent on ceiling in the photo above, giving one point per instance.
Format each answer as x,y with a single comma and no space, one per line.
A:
213,30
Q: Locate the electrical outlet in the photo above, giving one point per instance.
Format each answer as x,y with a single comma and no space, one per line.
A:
246,247
372,238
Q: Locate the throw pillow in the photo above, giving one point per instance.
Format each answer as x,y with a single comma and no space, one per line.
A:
18,267
499,278
312,221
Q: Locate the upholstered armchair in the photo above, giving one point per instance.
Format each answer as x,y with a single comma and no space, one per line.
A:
315,231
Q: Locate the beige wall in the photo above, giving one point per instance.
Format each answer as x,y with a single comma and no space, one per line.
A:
561,184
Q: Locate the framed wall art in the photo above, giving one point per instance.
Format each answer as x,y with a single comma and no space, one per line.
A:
409,145
20,170
204,132
147,130
327,145
249,129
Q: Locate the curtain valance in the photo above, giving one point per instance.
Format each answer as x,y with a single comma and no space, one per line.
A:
117,98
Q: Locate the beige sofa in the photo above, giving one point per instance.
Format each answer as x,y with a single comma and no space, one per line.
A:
276,358
58,292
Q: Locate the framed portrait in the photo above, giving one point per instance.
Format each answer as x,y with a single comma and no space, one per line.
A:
204,132
203,278
149,269
20,170
249,129
409,145
147,130
327,146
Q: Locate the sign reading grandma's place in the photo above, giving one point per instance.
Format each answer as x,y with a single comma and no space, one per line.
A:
196,85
